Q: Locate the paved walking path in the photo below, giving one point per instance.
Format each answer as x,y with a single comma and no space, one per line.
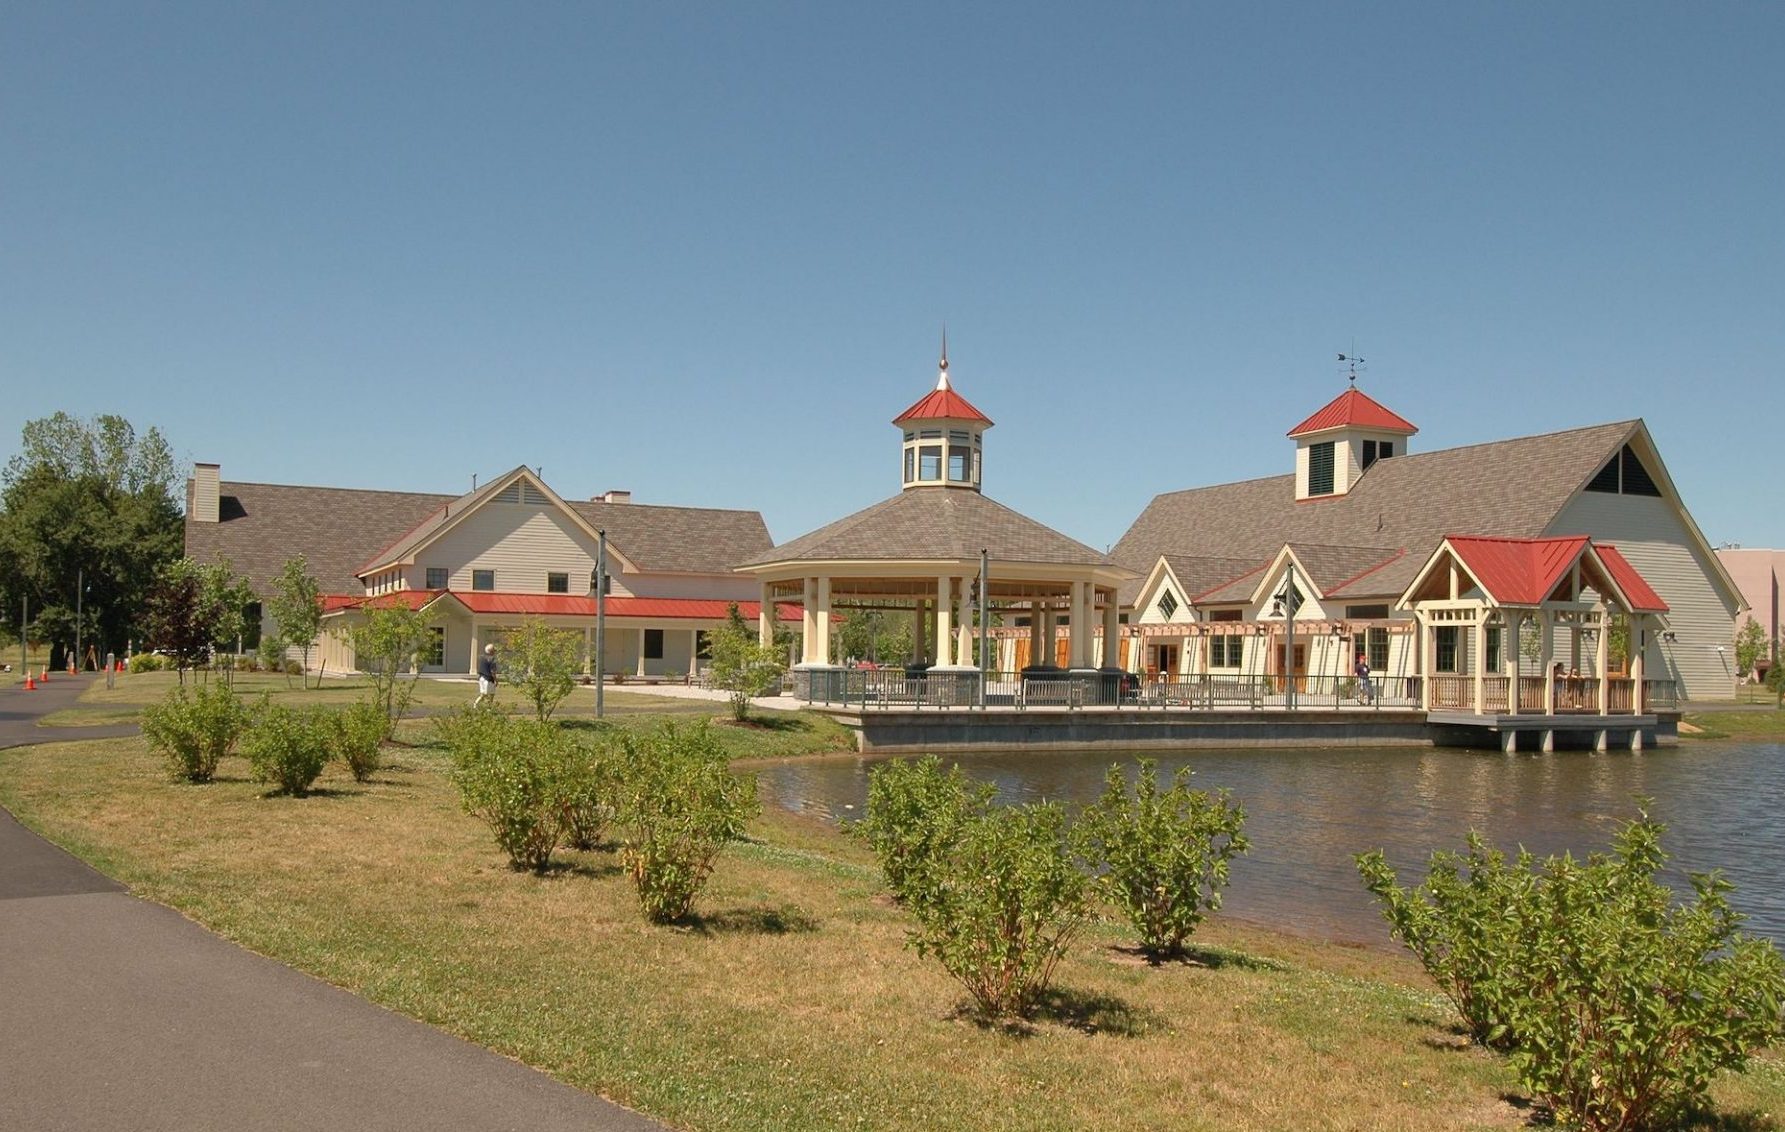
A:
20,710
116,1013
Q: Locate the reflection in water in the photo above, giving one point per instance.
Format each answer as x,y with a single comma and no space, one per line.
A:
1308,813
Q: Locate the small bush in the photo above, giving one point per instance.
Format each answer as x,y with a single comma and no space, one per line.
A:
288,747
1618,1005
1000,904
679,804
1462,925
509,773
359,735
587,793
915,811
145,662
1163,856
195,729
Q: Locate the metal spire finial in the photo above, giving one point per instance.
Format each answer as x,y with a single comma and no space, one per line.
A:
942,370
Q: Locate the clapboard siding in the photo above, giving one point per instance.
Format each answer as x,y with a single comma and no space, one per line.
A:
1650,533
521,543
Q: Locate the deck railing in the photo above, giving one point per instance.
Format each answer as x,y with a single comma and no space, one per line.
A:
893,689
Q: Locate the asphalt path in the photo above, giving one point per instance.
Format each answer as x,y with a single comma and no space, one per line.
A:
116,1013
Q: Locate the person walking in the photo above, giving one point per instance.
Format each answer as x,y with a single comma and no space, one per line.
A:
1366,692
486,677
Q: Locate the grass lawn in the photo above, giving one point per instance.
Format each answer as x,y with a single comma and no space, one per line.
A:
1748,724
791,1002
39,658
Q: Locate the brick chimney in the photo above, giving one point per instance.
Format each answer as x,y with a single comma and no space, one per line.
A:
206,492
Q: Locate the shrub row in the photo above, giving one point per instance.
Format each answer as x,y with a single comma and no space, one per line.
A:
193,729
537,786
998,893
1616,1005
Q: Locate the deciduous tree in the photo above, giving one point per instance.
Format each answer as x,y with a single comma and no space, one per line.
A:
296,607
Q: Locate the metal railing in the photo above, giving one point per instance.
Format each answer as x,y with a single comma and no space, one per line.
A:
894,689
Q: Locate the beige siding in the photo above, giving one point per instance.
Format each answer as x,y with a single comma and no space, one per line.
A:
521,543
719,587
1652,536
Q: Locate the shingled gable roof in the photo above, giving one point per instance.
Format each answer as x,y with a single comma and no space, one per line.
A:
262,525
1196,574
933,524
1510,488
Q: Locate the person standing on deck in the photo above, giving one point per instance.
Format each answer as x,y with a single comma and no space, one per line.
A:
1366,691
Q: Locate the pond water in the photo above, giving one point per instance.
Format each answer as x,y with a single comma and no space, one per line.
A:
1308,812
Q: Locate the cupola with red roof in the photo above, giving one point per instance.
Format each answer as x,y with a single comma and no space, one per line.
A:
1340,442
943,436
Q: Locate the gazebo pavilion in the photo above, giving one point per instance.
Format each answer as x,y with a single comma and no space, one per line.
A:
922,552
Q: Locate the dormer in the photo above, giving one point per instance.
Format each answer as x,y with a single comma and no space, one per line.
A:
1338,444
943,437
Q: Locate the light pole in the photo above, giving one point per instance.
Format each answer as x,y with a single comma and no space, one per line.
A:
599,577
80,593
984,603
1288,605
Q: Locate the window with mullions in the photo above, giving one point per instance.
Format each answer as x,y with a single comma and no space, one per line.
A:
1375,450
1320,468
910,464
1168,605
929,462
1490,661
960,463
557,583
1624,474
1377,647
1447,649
436,577
483,579
1226,651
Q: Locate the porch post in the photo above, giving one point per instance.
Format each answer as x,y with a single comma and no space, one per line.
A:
1602,661
1546,636
1638,666
641,650
944,621
1112,633
1426,652
765,618
963,631
919,643
1479,647
693,654
1037,615
1080,649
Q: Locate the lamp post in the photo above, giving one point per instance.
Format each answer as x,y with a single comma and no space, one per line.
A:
598,577
983,602
80,593
1288,605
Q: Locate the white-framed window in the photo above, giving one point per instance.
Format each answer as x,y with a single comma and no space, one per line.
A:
929,462
437,577
483,579
556,583
1168,605
1226,651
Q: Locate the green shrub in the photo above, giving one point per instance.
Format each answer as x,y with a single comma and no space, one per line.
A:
679,805
1619,1005
587,793
999,905
194,730
288,747
509,772
1163,857
1462,923
359,735
145,662
915,811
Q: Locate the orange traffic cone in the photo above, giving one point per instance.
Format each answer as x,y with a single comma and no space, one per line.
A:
30,684
44,676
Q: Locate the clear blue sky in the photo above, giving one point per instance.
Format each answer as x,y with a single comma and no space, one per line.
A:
704,251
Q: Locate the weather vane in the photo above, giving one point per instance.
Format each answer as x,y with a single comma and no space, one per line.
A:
1353,361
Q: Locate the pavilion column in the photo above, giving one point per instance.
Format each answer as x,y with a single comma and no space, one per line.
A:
944,621
1602,661
823,620
1037,616
1546,637
1426,650
765,618
1112,633
963,645
808,619
1479,648
1638,665
1079,650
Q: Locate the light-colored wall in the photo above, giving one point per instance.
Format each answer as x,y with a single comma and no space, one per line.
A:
1758,574
521,542
1648,532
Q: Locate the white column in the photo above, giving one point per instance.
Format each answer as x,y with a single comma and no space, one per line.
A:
944,621
1546,636
1602,661
919,642
1112,633
963,645
1076,650
1037,615
808,599
641,650
824,620
693,654
1479,645
765,619
1638,668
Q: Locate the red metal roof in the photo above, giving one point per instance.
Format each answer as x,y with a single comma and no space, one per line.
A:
568,605
1642,596
1352,409
942,404
414,599
1517,571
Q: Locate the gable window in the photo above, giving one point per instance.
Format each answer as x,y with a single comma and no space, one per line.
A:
1447,649
1320,468
483,579
1625,474
653,644
436,577
557,583
1168,605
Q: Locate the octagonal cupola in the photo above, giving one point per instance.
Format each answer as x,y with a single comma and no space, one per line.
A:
1338,444
943,437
